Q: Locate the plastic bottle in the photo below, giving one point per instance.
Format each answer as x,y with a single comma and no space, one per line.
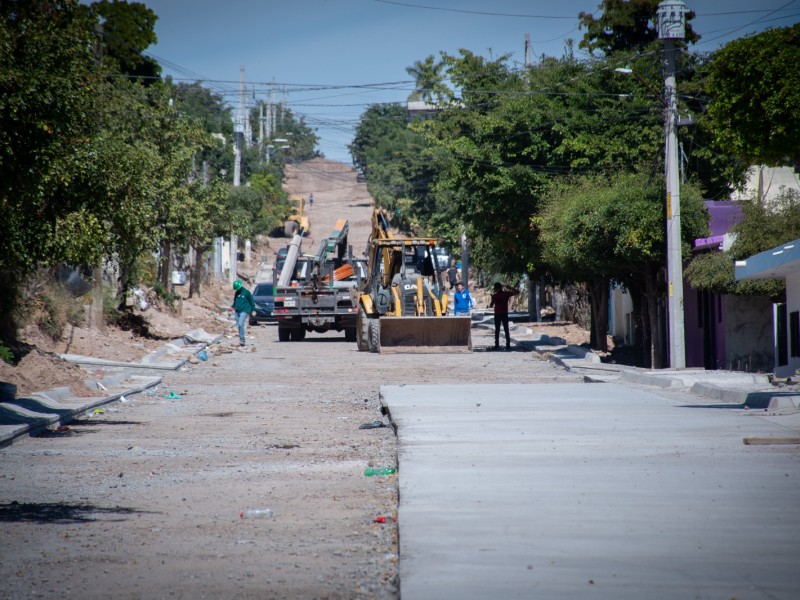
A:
371,471
256,513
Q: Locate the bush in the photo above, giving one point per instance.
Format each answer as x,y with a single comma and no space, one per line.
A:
5,354
59,308
165,295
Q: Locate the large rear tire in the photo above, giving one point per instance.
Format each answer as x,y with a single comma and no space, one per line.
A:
284,334
290,228
350,334
362,332
374,335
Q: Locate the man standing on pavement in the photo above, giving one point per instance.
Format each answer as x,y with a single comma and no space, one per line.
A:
500,299
244,306
462,301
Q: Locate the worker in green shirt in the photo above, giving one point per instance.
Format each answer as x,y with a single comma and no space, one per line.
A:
244,306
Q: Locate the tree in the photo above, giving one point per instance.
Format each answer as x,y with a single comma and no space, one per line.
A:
625,25
763,226
612,228
48,85
127,31
428,83
754,84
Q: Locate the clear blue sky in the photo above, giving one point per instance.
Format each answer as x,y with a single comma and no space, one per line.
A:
344,45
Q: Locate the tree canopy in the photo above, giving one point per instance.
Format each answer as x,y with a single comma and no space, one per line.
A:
755,87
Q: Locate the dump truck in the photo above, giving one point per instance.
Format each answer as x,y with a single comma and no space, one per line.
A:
314,293
298,220
402,304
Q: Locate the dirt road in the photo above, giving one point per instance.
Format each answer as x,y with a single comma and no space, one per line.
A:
143,499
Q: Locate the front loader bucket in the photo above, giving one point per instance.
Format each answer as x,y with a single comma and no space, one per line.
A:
424,334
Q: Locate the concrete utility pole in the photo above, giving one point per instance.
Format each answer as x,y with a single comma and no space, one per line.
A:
671,27
238,134
527,49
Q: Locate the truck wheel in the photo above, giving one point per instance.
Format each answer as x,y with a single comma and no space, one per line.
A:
350,334
290,228
301,335
374,335
284,333
362,333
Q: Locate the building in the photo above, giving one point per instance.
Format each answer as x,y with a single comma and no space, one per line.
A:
781,262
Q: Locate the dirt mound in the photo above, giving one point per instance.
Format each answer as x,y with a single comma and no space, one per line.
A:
135,337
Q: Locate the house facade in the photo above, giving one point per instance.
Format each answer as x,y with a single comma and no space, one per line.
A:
781,262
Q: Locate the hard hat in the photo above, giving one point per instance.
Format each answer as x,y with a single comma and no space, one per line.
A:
237,284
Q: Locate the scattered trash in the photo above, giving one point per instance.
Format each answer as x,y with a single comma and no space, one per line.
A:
172,396
256,513
380,519
202,355
372,471
123,399
98,411
101,386
372,425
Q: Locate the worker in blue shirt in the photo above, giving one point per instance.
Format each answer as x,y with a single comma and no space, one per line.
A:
462,301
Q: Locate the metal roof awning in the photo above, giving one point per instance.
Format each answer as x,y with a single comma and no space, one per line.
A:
777,263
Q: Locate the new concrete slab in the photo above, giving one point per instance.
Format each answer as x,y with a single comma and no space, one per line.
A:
590,490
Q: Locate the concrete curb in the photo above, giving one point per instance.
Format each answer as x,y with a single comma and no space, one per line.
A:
33,414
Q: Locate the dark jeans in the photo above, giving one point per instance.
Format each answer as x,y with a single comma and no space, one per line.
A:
498,319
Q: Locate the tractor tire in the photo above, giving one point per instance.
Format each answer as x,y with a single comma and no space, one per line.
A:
290,228
362,333
374,335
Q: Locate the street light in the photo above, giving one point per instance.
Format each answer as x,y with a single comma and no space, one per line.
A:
671,27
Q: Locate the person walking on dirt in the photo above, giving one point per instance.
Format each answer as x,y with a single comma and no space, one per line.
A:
244,306
462,301
500,298
453,275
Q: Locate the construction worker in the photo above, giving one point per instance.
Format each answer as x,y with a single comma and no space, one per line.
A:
243,306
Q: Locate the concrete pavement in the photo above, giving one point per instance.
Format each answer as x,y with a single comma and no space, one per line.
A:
592,490
636,484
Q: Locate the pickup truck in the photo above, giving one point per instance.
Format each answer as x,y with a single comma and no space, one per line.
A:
319,298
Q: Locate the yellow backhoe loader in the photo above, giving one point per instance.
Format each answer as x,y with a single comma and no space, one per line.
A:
402,302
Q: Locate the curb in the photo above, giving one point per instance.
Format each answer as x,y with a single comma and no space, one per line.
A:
33,414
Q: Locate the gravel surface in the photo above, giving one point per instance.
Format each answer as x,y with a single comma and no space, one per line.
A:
142,500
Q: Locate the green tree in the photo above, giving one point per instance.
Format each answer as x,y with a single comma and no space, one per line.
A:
48,84
625,25
127,31
763,226
428,83
601,229
754,84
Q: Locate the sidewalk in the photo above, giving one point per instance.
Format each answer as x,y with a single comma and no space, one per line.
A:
55,407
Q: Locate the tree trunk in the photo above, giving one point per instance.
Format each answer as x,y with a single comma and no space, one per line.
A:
193,264
656,356
165,264
598,292
534,302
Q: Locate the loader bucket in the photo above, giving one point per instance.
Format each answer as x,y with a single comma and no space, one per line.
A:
424,334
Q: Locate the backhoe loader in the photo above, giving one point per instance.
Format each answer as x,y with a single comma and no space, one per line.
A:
402,304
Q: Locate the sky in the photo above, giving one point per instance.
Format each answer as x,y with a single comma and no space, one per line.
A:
330,59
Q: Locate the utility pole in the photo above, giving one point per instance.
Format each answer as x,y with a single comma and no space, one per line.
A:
527,50
671,27
238,134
